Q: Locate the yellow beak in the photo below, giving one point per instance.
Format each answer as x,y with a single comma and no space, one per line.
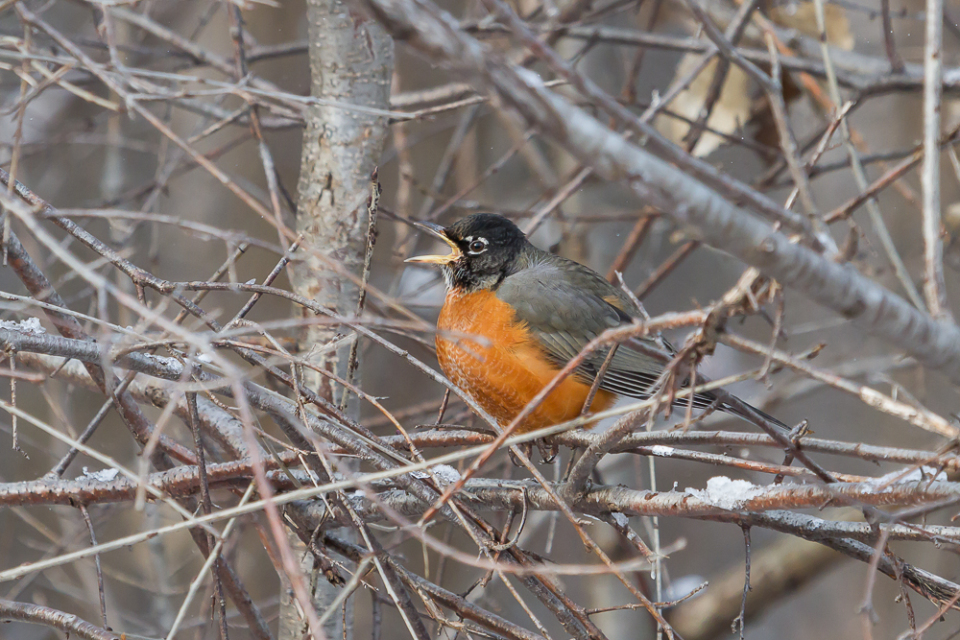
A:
436,230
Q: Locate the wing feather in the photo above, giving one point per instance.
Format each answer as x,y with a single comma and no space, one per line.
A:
566,305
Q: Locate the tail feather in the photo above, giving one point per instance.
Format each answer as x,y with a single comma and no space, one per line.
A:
729,403
637,384
745,411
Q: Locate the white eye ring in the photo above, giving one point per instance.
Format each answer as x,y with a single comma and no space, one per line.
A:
476,246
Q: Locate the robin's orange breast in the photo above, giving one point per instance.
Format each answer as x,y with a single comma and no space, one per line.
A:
487,353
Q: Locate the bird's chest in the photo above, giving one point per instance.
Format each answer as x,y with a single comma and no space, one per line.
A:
474,331
482,318
487,353
481,348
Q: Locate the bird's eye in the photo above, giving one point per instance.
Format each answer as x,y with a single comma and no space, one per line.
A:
478,246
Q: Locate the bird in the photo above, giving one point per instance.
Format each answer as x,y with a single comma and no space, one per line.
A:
515,315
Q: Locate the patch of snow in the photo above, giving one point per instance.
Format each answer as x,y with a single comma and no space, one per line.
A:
104,475
444,473
620,519
684,586
30,325
725,493
660,450
166,361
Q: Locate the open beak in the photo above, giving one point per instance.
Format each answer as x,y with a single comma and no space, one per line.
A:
436,230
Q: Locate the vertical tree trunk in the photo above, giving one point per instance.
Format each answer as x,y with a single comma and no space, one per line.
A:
351,62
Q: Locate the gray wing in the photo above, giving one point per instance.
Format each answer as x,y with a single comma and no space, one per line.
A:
567,305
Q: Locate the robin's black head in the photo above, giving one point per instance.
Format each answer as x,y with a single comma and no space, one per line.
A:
485,247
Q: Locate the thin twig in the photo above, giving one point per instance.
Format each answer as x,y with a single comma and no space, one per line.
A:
934,288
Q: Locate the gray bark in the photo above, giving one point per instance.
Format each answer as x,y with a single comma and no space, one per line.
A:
351,61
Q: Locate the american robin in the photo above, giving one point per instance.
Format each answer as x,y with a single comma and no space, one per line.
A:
514,315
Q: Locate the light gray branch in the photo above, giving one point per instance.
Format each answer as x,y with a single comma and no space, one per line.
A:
934,288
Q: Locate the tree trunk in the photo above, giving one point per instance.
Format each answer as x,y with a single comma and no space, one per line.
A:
351,62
